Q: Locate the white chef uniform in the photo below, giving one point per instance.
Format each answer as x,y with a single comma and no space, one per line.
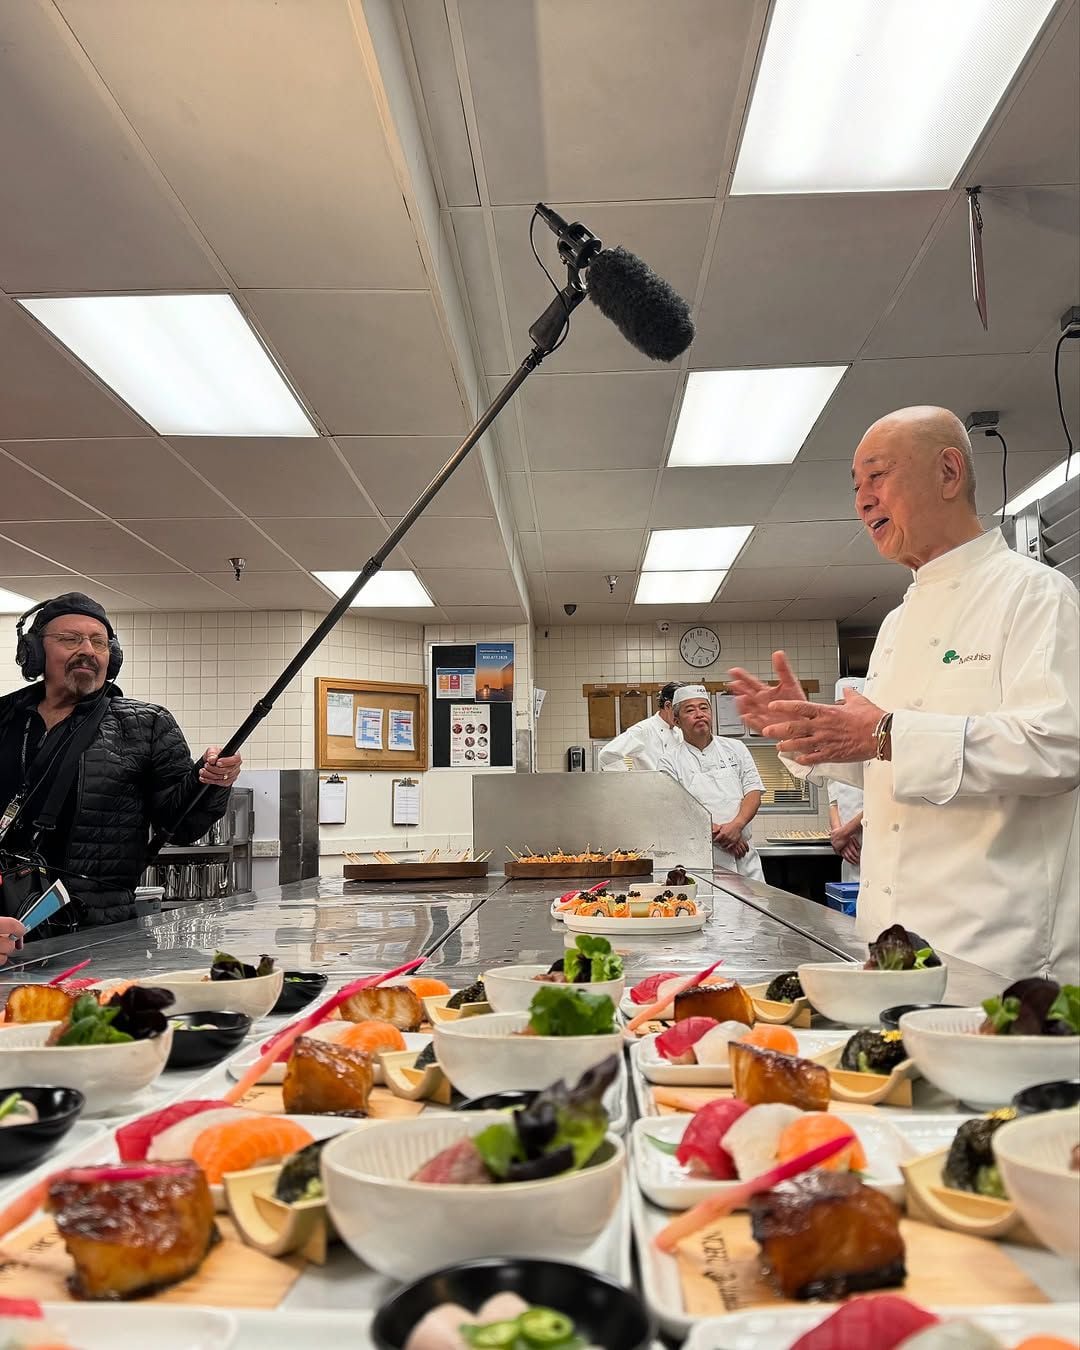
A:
719,777
641,746
970,833
848,800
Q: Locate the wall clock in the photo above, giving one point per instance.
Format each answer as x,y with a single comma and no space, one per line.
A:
699,647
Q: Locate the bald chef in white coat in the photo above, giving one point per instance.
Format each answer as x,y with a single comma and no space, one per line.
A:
722,775
644,745
967,742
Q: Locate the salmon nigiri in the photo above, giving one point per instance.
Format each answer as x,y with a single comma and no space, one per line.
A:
236,1145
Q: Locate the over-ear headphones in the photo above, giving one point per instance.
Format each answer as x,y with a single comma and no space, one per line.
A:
30,650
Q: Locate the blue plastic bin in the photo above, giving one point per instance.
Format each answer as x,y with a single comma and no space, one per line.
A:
842,895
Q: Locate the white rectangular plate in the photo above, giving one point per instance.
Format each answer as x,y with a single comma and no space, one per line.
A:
685,923
131,1326
765,1329
657,1069
667,1183
243,1060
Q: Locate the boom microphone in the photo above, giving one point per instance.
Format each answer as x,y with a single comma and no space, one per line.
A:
652,316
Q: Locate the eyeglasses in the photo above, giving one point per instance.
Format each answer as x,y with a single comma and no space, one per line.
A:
73,641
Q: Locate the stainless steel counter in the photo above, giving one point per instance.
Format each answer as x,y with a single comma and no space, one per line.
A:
347,930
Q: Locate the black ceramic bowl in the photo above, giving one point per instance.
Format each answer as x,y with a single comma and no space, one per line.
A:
605,1314
211,1037
890,1017
1062,1096
58,1108
508,1099
298,989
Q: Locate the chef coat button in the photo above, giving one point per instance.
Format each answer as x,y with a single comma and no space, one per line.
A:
887,890
934,642
955,586
917,703
895,828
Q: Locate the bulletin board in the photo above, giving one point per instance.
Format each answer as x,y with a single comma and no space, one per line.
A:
498,709
340,703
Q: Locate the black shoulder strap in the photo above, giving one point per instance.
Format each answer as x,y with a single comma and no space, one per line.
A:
66,769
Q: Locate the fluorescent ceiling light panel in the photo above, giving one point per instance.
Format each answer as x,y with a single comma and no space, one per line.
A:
695,550
677,588
11,603
385,590
878,95
190,365
1042,487
731,417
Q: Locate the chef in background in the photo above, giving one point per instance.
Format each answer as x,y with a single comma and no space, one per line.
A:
967,740
722,775
645,744
845,806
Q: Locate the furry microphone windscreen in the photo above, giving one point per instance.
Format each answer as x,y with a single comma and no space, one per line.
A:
642,306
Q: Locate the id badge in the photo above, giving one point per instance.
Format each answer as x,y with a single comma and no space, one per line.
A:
10,812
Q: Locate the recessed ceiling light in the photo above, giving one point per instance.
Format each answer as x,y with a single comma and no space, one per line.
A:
12,603
1042,487
190,365
882,97
385,590
750,416
695,550
677,588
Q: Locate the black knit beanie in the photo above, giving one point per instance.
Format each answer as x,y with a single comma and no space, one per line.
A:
74,602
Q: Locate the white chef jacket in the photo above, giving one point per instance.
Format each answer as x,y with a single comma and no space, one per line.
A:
719,777
970,833
848,801
641,746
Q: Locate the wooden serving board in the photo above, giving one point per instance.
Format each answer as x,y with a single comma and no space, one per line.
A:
382,1104
621,867
720,1270
414,871
233,1275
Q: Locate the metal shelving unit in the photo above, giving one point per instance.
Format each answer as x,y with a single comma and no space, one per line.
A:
214,867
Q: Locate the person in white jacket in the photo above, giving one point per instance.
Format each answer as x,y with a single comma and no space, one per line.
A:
967,740
846,806
644,745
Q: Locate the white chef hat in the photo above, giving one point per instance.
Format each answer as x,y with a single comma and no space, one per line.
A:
686,691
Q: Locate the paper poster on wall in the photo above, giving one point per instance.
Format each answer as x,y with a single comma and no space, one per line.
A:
455,682
369,728
339,718
495,672
470,736
401,729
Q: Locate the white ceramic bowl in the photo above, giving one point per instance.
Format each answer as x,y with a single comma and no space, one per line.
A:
480,1055
194,991
107,1075
846,993
405,1228
1033,1154
983,1071
511,988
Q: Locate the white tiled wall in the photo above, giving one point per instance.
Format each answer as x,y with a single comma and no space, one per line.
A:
569,656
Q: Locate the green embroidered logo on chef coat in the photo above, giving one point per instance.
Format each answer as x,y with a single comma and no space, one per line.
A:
951,656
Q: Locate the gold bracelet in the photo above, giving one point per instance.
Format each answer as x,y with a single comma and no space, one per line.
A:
881,734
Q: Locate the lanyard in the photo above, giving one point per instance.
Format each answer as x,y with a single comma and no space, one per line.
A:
11,811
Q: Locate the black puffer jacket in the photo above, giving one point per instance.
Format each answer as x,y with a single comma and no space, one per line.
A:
134,776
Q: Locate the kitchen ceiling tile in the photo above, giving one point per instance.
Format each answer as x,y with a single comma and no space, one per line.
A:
207,545
743,611
584,550
429,36
285,476
591,586
584,501
371,363
530,551
469,586
648,613
177,590
589,613
517,485
47,393
467,543
818,490
1021,471
697,498
767,583
871,582
132,477
471,236
331,545
36,499
96,548
800,280
630,73
810,608
275,590
40,587
481,614
792,545
17,561
598,421
396,469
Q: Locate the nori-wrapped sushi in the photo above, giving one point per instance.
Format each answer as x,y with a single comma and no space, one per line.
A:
970,1165
871,1051
473,993
299,1179
786,988
426,1057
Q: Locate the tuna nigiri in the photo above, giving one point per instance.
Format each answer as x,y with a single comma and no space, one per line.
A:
879,1323
133,1140
752,1141
236,1145
676,1044
648,990
701,1149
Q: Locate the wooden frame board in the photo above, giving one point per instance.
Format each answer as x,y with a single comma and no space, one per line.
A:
340,752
